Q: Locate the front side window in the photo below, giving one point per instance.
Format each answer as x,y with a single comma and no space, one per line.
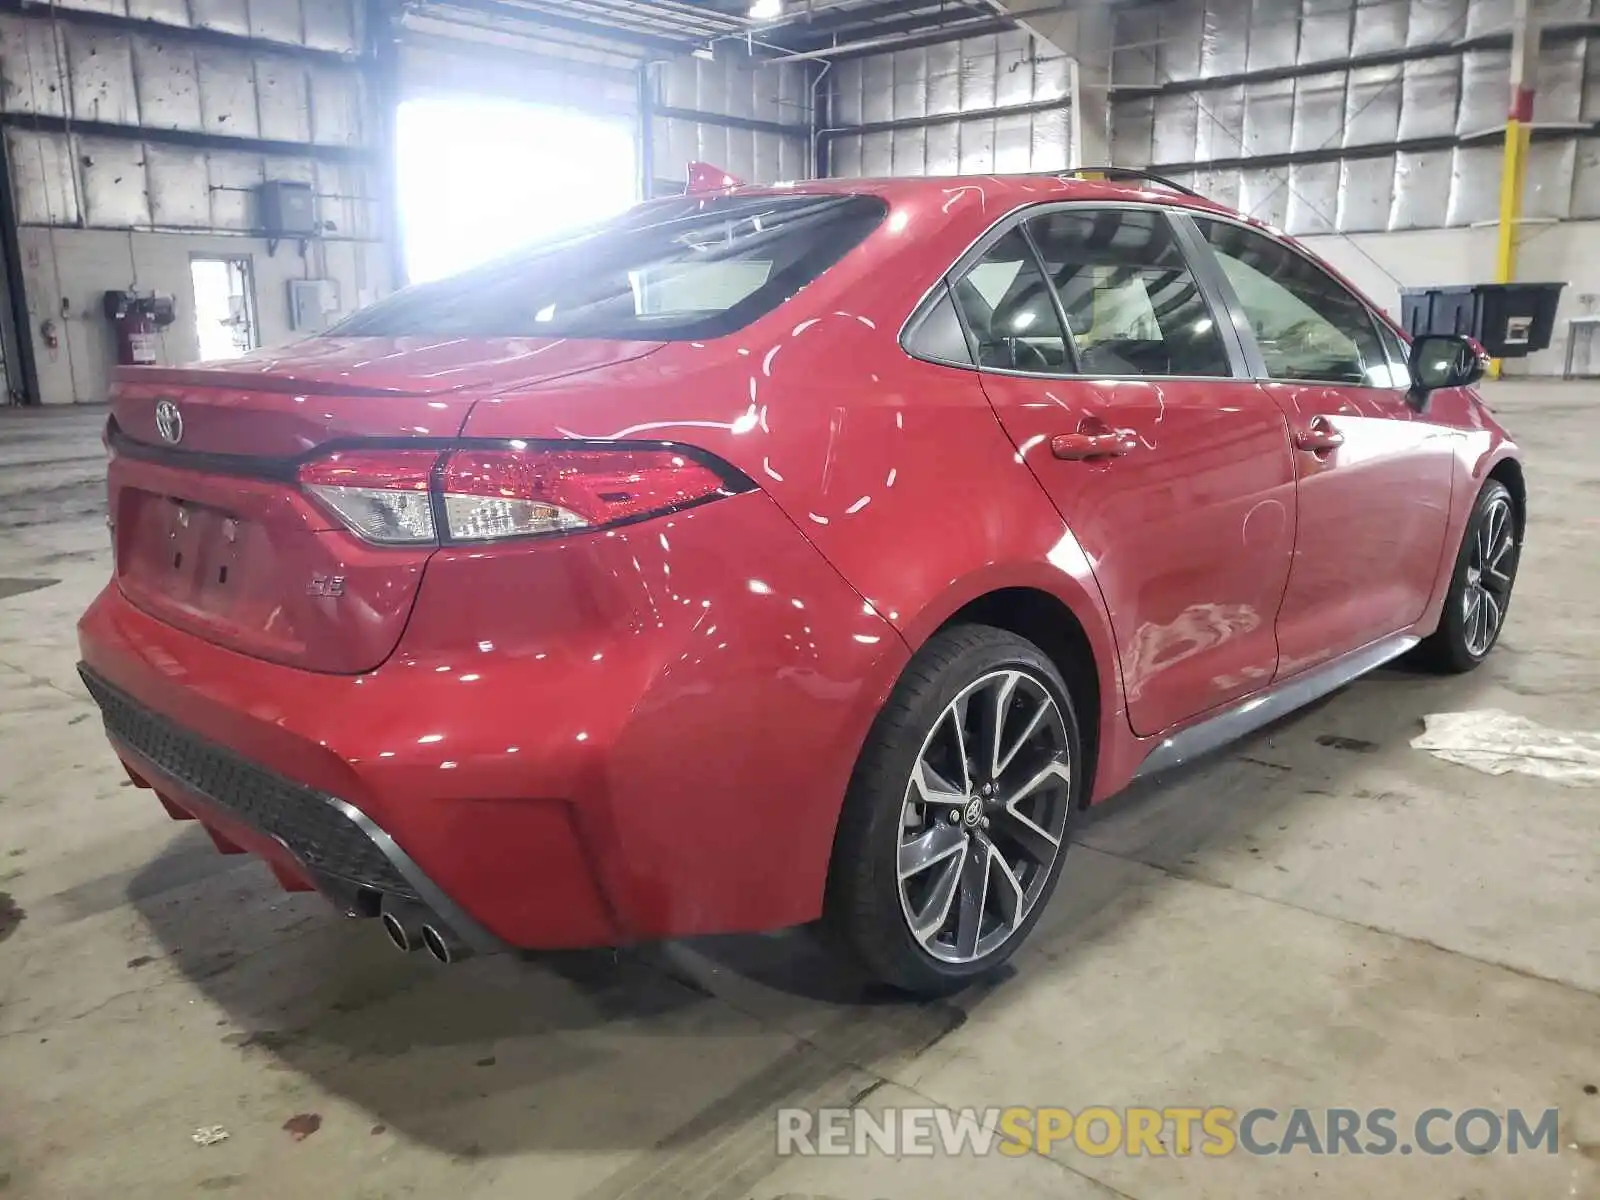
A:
1007,305
1307,325
689,268
1399,356
1132,303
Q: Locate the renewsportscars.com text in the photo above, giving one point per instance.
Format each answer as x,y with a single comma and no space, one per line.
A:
1179,1131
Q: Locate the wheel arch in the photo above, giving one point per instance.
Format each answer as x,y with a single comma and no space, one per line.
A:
1508,471
1049,623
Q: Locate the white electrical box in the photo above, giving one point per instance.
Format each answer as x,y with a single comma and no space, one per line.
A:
313,304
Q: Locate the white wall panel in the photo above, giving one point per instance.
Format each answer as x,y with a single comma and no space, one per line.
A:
1432,21
283,99
166,12
115,8
331,26
338,106
1313,190
154,81
232,180
738,88
1421,194
1548,190
432,67
938,97
1430,93
179,187
169,84
1274,35
1317,119
1268,116
45,180
1448,94
101,210
114,192
100,75
227,16
277,20
32,65
1264,195
1560,95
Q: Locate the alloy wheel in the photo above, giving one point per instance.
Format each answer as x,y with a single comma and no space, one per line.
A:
984,816
1491,567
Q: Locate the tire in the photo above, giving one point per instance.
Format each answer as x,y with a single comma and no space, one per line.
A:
907,806
1475,606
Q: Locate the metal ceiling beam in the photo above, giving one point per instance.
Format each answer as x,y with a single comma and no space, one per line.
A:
830,14
194,34
188,138
536,17
895,34
863,20
660,17
1000,8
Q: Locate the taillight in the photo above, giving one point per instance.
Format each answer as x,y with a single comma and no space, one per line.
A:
506,491
383,495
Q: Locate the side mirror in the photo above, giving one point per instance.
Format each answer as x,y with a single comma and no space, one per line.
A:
1444,361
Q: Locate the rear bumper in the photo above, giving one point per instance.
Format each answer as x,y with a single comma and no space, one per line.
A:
308,837
563,751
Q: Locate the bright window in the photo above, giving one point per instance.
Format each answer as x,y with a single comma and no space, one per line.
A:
479,178
697,266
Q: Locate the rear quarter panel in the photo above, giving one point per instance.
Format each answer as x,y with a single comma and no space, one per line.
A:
896,469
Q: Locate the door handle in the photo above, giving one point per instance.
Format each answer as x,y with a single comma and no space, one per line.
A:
1080,447
1319,437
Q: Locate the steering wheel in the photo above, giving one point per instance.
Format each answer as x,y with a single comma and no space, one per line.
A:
1025,356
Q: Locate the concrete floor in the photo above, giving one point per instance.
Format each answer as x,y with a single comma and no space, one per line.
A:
1295,923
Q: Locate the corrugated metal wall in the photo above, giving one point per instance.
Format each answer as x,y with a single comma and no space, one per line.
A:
84,88
1258,104
752,120
430,66
515,61
136,133
994,103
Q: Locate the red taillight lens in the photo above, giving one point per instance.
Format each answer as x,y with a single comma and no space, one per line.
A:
503,492
510,493
380,494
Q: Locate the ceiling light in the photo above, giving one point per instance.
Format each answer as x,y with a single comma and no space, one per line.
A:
766,10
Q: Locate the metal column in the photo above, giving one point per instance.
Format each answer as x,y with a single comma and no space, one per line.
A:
647,131
383,55
1514,167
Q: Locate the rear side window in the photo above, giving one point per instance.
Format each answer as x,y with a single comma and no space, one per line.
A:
1132,303
938,336
1006,303
1306,323
694,268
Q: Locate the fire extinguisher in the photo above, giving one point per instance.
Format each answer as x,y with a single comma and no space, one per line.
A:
138,321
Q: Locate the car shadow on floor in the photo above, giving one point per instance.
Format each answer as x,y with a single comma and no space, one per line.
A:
658,1048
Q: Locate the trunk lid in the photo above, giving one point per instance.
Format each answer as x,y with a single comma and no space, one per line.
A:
213,535
279,404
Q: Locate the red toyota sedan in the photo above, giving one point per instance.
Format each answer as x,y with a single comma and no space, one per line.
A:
774,554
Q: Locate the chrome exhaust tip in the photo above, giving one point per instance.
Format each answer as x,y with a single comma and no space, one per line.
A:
403,925
445,946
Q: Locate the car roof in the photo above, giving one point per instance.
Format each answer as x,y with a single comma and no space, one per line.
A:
1004,191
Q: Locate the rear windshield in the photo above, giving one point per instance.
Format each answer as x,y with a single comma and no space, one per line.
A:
689,268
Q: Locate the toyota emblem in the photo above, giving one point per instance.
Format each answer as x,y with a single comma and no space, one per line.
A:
169,422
